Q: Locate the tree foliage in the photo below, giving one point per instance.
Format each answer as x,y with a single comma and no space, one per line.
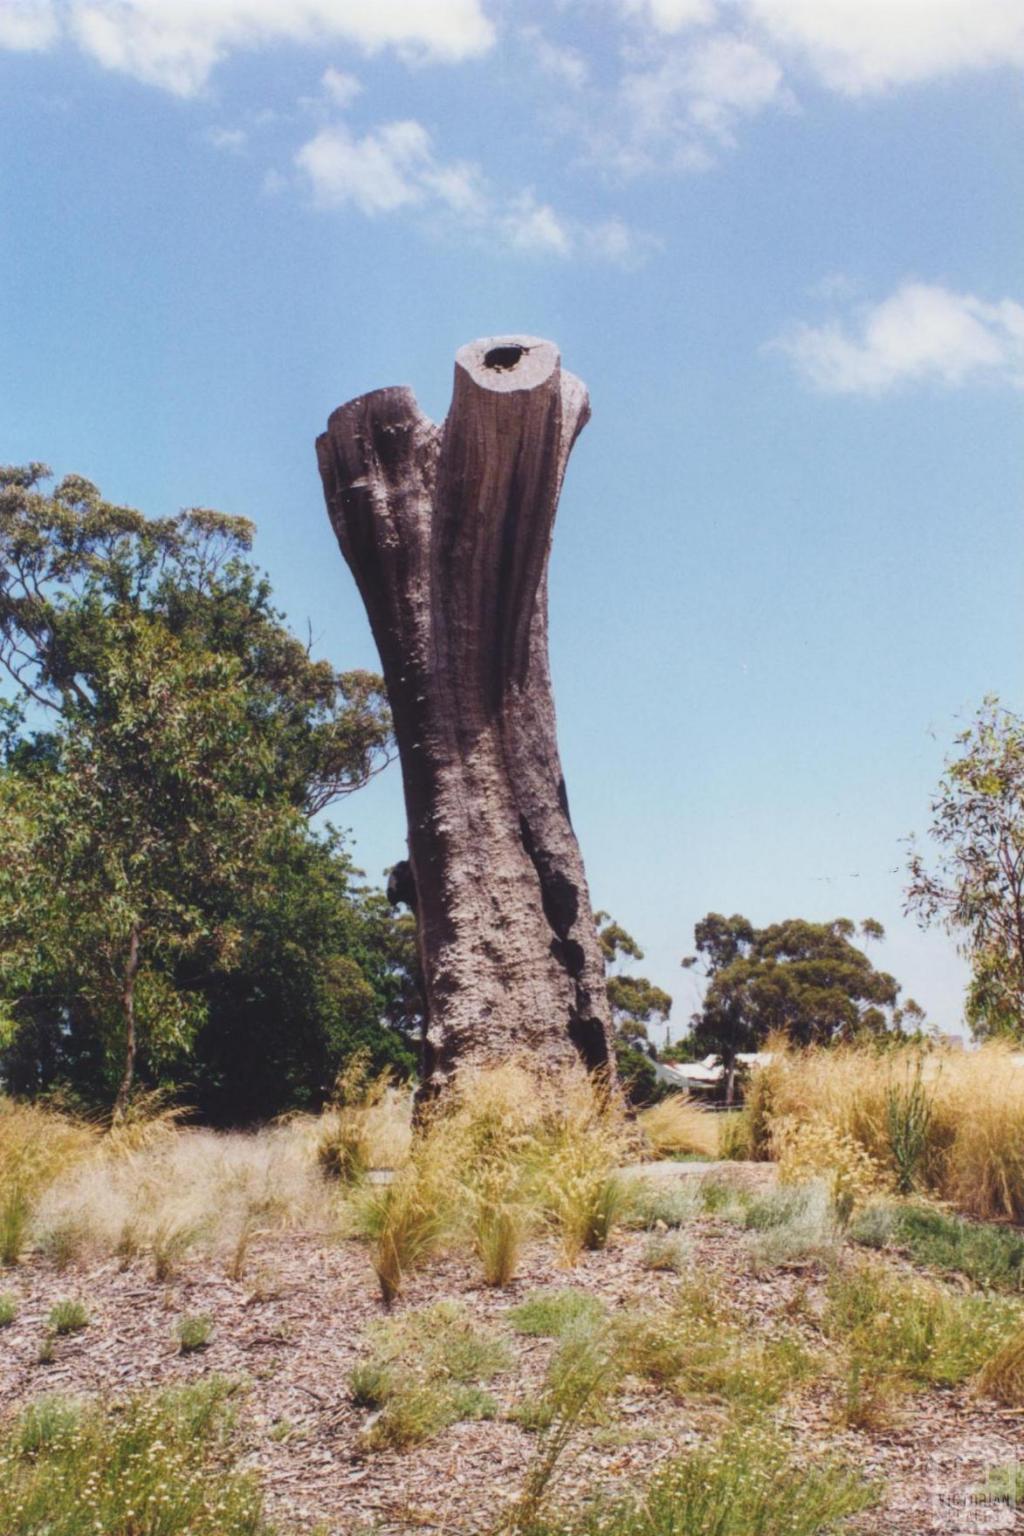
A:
635,1004
168,741
976,886
805,980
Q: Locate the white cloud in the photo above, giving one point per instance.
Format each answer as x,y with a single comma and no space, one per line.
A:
858,46
233,139
340,88
394,169
693,99
27,24
922,333
671,15
559,63
175,44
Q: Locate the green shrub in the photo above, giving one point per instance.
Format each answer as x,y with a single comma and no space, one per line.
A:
193,1332
747,1484
551,1313
156,1466
791,1225
914,1329
666,1251
8,1310
68,1317
991,1256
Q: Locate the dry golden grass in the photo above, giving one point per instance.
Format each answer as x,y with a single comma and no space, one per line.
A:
37,1146
185,1189
972,1145
679,1125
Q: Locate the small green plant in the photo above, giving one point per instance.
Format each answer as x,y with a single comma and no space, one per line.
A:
193,1333
651,1204
868,1396
747,1482
551,1313
908,1118
792,1225
8,1310
1004,1485
151,1464
580,1375
914,1329
67,1317
46,1354
666,1251
425,1371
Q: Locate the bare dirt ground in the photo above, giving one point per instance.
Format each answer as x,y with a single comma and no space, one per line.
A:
293,1327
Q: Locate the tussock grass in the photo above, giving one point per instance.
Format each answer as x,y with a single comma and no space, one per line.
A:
1002,1375
179,1190
37,1146
915,1329
666,1251
367,1125
678,1125
748,1483
948,1122
69,1316
8,1310
424,1371
193,1332
159,1465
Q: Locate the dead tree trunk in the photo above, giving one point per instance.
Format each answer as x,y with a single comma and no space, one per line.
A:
447,530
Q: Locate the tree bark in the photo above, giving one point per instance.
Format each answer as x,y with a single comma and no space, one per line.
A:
447,530
128,1011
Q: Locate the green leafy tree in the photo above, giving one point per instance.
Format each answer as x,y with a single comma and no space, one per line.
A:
976,886
635,1003
179,737
805,980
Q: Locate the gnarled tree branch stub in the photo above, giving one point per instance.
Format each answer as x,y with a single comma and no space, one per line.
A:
447,530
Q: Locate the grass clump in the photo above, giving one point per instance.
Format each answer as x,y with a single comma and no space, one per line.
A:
151,1466
1002,1375
746,1484
657,1203
193,1332
914,1329
67,1317
792,1225
365,1126
553,1312
666,1251
677,1125
424,1371
37,1146
8,1310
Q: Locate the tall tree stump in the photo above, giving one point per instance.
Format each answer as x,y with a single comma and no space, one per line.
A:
447,530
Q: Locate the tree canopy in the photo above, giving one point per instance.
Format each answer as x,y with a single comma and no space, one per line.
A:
975,888
806,980
167,741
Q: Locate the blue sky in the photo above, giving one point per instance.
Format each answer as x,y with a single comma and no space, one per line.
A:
779,239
